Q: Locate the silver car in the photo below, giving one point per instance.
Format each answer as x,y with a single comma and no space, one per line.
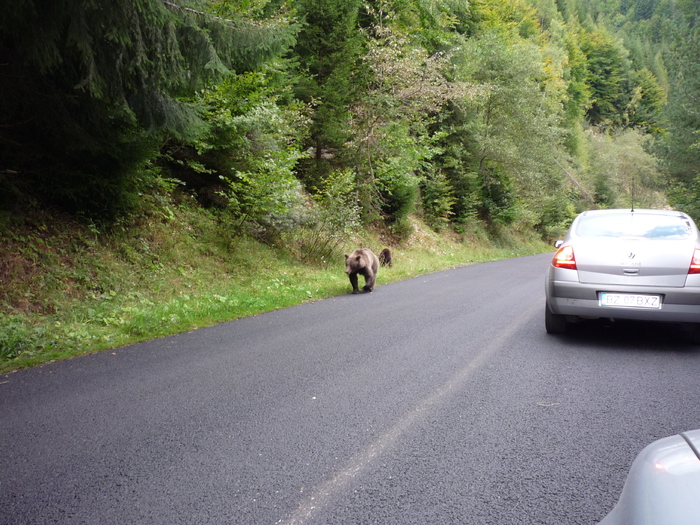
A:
663,485
626,264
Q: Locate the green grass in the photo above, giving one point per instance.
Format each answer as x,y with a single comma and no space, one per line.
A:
67,289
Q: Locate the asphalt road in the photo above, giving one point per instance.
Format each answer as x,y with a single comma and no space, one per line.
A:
435,400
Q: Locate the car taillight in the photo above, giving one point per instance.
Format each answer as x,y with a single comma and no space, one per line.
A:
695,263
564,258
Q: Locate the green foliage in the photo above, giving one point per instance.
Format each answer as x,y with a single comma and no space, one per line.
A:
681,146
246,162
328,50
578,90
498,201
102,99
437,199
328,222
264,197
17,336
556,218
605,194
390,138
606,72
399,190
685,196
257,154
263,109
511,129
456,160
493,14
647,103
624,173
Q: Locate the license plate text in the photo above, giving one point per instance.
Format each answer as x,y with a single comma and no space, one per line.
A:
624,300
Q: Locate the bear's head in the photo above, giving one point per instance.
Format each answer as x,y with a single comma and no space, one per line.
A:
354,263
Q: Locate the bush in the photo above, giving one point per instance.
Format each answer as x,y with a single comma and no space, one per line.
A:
328,220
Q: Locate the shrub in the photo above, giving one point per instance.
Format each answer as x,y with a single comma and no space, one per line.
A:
328,220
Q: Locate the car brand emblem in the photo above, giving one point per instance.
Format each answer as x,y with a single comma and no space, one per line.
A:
631,255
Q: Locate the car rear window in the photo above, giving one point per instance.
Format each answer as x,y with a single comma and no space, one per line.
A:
635,225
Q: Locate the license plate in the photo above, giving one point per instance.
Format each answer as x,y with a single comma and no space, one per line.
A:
628,300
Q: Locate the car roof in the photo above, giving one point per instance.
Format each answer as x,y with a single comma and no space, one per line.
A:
646,211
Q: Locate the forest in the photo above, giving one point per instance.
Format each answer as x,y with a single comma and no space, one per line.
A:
299,124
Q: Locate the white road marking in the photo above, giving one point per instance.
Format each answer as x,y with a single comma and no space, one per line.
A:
322,494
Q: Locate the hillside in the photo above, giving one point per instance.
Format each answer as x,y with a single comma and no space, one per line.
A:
67,288
207,159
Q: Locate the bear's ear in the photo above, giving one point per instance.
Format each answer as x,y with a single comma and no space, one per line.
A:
358,258
346,256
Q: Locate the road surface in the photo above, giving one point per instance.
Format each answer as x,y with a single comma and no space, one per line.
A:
435,400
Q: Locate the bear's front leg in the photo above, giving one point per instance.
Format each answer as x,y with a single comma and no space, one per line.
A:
353,281
370,277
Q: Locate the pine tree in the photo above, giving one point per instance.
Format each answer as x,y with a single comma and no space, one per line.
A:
89,88
682,144
328,48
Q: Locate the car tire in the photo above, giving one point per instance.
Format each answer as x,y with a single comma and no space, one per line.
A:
554,323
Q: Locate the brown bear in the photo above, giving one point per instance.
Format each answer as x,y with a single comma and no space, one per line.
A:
362,261
385,257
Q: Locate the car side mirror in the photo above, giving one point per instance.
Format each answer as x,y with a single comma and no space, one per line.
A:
557,244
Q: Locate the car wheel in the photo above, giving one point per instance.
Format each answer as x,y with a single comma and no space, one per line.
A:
554,323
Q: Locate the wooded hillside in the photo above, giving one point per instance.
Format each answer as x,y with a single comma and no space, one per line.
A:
277,112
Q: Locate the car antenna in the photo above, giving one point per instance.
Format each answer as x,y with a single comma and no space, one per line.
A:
633,188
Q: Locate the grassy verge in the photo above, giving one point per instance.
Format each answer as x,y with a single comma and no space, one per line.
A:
67,289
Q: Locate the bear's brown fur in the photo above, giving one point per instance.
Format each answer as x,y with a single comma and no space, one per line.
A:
364,262
385,258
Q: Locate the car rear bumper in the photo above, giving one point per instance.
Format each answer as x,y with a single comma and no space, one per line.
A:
577,299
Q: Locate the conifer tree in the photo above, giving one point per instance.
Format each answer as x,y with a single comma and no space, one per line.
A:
682,144
89,89
328,48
